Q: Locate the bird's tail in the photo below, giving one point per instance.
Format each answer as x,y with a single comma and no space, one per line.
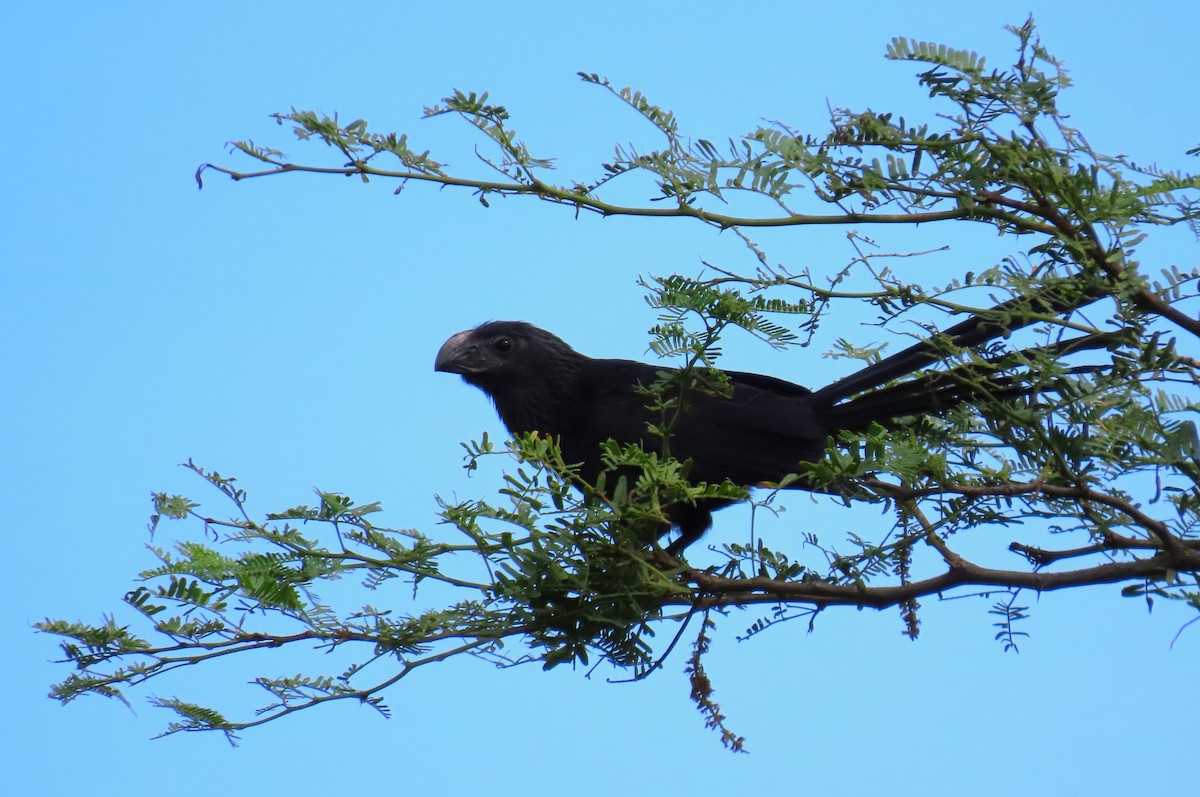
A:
937,391
980,328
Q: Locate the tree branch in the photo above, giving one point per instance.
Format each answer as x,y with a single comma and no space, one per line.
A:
551,193
717,591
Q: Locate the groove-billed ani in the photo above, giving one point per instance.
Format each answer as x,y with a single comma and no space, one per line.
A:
756,433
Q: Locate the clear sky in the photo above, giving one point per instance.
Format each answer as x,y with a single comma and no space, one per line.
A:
283,331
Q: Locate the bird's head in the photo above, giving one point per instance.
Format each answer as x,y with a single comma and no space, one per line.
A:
528,372
498,351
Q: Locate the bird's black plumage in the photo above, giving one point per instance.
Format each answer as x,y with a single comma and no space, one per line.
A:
757,433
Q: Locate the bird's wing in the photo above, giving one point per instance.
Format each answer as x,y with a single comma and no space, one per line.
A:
758,433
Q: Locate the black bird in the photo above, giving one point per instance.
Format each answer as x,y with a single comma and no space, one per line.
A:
757,433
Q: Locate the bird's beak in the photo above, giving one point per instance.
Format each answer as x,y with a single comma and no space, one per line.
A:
456,355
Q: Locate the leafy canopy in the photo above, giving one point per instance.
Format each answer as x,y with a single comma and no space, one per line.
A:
1097,477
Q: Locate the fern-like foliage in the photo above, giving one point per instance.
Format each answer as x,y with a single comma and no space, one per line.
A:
1085,457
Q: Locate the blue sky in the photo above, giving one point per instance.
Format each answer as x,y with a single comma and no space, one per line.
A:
283,331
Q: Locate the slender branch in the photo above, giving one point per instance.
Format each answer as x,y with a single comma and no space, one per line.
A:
952,559
1041,557
361,695
682,210
1170,543
1144,298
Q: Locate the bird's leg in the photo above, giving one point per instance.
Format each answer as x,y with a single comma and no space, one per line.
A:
692,521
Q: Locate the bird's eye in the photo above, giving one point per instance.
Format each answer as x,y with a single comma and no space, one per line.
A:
502,345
